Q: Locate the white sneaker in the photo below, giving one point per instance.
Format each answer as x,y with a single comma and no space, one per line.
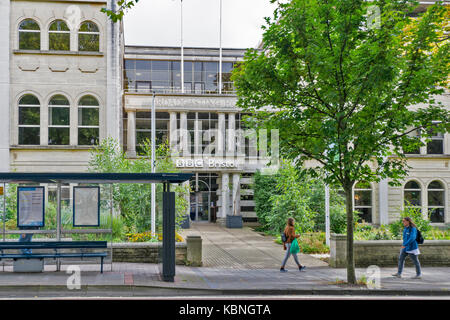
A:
417,277
397,275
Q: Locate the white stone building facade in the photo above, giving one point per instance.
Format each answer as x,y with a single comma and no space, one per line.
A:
61,79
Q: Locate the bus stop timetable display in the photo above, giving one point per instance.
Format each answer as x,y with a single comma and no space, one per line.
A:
30,206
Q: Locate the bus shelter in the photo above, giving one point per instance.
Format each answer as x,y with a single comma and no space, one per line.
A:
167,266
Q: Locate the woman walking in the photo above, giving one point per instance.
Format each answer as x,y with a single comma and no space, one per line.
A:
289,231
409,248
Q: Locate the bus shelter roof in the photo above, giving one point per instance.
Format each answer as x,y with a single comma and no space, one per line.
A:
90,177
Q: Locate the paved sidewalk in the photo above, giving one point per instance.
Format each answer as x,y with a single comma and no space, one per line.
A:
237,262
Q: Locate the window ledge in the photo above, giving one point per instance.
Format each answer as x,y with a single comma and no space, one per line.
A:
66,53
424,156
39,147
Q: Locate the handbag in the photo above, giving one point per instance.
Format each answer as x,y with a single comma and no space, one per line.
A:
283,237
294,247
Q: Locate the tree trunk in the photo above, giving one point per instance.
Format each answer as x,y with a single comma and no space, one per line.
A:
351,277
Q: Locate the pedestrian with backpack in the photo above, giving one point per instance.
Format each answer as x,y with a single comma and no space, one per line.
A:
288,238
409,248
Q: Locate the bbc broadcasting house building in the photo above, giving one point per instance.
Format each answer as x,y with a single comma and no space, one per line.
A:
67,82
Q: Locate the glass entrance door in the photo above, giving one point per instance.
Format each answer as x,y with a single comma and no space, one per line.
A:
200,206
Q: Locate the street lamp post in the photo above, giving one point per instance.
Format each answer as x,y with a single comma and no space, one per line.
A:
153,186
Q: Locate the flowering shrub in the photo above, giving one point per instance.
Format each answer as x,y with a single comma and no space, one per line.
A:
148,237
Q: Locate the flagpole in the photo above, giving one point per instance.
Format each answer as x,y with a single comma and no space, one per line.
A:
182,51
220,48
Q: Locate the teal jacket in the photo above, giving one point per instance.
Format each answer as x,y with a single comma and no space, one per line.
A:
409,238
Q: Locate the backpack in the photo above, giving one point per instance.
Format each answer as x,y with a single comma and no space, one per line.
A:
419,237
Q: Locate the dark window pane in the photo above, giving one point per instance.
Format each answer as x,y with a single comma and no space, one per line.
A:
436,215
412,198
88,101
59,25
130,64
88,26
88,42
29,40
363,198
29,115
59,100
435,146
211,67
227,67
59,116
29,136
88,117
58,136
29,24
160,75
435,198
365,214
143,75
160,65
143,65
88,136
412,185
435,185
59,41
29,99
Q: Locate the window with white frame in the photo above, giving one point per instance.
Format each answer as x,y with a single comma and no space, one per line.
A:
412,195
59,36
436,202
58,120
436,145
29,120
363,201
88,121
88,37
29,35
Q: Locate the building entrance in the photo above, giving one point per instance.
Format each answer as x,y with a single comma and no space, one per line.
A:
203,199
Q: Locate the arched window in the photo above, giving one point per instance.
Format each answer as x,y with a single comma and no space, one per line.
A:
29,120
412,195
88,37
436,202
88,121
58,120
59,36
29,35
363,201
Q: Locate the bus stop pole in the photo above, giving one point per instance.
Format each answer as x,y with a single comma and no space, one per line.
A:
4,211
168,234
58,221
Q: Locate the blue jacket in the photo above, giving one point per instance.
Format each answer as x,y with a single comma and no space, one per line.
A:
409,238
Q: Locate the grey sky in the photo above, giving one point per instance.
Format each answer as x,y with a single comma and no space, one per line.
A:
157,23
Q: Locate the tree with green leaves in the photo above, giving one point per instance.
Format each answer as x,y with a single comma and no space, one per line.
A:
346,91
117,13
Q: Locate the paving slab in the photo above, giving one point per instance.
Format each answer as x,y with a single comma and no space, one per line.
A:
236,262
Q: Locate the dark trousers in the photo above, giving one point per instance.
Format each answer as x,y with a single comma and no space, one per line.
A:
414,258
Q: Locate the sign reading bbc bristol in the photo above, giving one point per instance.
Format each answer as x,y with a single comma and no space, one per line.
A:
210,163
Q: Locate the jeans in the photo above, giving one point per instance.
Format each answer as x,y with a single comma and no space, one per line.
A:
414,258
27,238
288,254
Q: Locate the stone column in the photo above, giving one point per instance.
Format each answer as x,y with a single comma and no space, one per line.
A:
197,137
225,195
220,138
236,207
231,134
131,133
173,137
184,139
383,201
44,123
